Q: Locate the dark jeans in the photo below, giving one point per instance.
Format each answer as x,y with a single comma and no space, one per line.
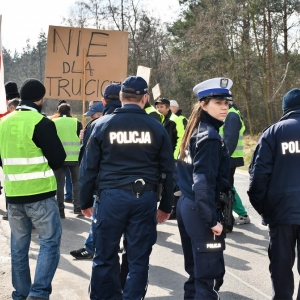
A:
283,240
69,192
60,175
125,269
120,211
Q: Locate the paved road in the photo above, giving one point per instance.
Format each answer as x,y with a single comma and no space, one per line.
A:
247,275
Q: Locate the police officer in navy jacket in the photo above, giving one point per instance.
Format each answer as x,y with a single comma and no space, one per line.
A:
274,192
203,170
126,153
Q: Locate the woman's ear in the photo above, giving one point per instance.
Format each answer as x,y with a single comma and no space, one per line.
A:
203,105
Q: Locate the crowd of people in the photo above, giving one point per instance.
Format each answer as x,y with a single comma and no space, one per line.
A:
135,165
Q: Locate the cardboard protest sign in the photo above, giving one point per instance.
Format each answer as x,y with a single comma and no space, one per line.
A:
81,62
156,92
144,72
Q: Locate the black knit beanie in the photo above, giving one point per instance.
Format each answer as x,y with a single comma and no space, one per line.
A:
32,90
11,90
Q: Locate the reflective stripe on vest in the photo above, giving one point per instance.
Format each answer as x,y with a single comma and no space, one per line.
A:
24,161
239,150
67,131
26,170
28,176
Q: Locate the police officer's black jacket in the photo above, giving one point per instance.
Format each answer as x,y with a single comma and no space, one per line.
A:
204,172
123,147
275,172
46,138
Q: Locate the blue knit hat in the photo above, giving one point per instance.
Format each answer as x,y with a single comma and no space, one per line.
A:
291,100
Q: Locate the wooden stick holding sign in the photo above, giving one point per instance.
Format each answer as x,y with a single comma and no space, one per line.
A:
144,72
83,88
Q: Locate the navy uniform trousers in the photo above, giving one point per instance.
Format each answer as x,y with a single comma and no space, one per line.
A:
283,240
120,211
205,266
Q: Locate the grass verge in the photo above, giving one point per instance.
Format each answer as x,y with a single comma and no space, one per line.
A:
250,142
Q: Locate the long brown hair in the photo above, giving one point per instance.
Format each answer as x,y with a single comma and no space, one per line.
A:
194,119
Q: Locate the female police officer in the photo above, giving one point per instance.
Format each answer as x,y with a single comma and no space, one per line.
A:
203,171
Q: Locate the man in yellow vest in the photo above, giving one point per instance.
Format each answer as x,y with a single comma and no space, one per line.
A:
175,128
68,130
27,141
174,107
232,132
68,182
172,124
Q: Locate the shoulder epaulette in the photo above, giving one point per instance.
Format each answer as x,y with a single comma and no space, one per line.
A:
207,132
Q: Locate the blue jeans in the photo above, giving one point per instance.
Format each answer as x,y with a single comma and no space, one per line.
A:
44,215
69,191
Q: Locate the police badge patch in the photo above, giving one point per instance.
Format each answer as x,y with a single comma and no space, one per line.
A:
224,83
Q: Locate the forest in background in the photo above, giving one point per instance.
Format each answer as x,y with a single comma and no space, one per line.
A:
255,43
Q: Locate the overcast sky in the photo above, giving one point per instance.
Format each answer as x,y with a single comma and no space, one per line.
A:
25,19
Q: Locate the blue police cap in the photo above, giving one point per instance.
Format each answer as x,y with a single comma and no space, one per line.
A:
95,108
214,88
134,85
291,100
112,91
